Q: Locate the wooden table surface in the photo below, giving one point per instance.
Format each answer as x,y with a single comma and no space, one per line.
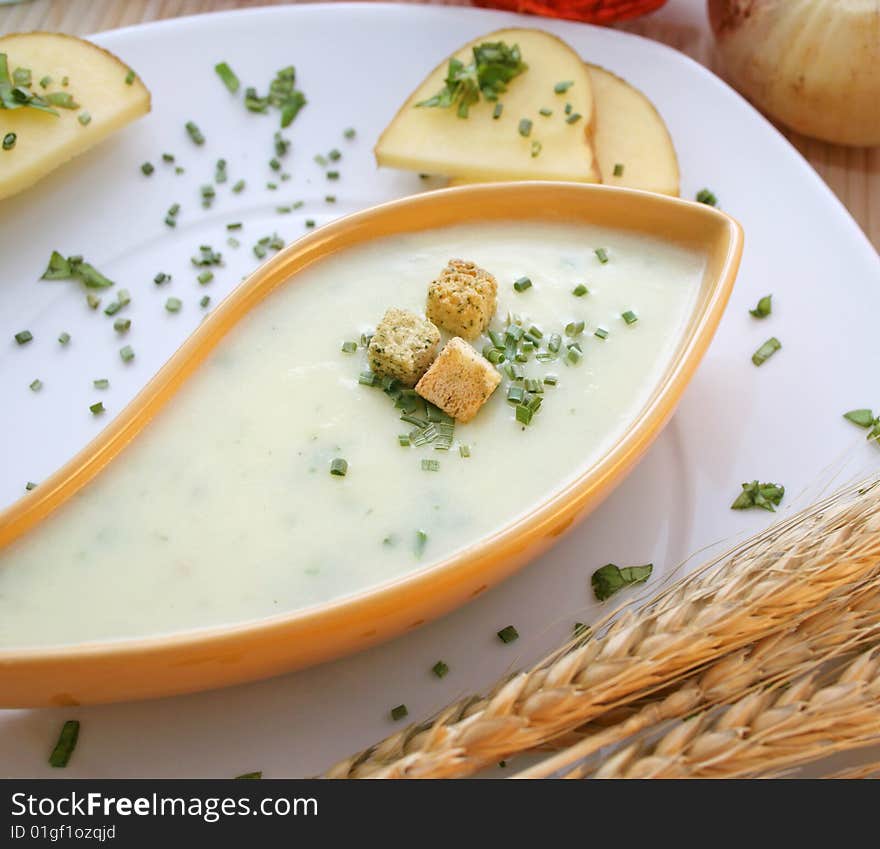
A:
853,173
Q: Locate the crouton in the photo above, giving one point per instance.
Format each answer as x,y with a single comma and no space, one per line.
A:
462,299
403,346
459,381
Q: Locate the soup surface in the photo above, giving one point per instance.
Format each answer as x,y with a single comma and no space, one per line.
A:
224,509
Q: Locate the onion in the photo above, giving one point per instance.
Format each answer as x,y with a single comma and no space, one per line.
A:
814,65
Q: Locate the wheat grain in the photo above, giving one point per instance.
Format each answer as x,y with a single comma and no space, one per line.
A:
766,730
761,587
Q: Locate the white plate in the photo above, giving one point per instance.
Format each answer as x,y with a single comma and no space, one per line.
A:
781,422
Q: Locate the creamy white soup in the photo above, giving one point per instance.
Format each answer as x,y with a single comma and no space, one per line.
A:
224,508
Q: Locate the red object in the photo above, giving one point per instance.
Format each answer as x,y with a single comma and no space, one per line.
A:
592,11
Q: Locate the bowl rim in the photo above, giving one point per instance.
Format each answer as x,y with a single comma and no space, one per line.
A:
563,506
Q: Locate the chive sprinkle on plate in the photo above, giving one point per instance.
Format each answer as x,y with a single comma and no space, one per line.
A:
67,739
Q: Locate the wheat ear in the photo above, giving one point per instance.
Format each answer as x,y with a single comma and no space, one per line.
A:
840,627
764,731
761,587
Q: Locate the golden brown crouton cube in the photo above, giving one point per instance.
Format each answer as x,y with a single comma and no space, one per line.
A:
459,381
403,346
462,299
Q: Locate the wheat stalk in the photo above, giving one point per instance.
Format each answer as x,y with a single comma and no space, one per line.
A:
761,587
766,730
840,627
871,770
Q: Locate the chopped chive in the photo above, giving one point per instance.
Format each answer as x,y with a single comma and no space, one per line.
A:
9,141
65,81
123,297
272,187
430,465
399,712
532,384
421,542
227,75
601,255
334,155
36,385
161,278
555,342
129,77
580,290
464,451
561,88
618,169
524,414
403,440
97,408
234,225
205,277
173,210
298,204
767,496
767,350
232,242
440,669
101,383
574,354
329,198
178,169
127,354
568,108
63,750
862,418
84,118
170,221
508,634
239,186
551,379
708,197
496,112
147,168
629,317
522,284
194,133
30,485
332,175
122,325
573,118
23,337
310,222
206,299
46,82
93,300
525,127
545,112
763,308
349,347
339,467
601,333
574,328
64,338
220,171
283,210
349,133
168,157
368,378
535,148
275,164
173,304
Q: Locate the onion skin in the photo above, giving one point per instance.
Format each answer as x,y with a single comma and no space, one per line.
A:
813,65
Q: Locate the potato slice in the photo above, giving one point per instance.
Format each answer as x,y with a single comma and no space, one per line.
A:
97,84
436,141
627,131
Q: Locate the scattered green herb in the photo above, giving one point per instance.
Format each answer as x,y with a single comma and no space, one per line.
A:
618,169
525,127
64,338
399,712
194,133
339,467
97,408
707,197
173,304
508,634
126,353
609,579
562,87
36,385
764,495
601,255
75,268
522,284
66,744
764,307
580,290
767,350
227,75
23,337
